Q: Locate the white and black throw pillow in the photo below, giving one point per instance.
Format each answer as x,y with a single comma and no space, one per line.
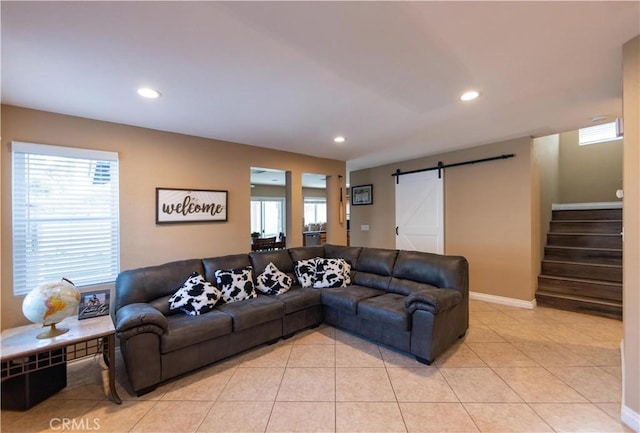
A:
330,273
305,271
273,281
346,269
196,296
236,284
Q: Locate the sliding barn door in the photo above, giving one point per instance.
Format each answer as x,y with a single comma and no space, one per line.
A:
420,212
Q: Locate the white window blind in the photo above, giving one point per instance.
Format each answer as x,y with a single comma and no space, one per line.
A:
598,133
65,215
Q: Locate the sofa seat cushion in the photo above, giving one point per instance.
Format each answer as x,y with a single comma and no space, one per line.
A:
186,330
252,312
388,309
299,298
347,298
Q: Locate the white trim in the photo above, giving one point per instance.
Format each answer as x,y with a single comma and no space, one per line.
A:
69,152
627,415
511,302
630,418
587,206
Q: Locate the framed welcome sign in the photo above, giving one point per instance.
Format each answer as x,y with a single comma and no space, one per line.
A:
190,205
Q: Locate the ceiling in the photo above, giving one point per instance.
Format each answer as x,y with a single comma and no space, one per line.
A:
292,75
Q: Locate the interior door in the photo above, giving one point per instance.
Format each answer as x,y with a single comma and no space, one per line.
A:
420,212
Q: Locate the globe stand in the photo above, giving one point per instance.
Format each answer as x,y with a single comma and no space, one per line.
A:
52,332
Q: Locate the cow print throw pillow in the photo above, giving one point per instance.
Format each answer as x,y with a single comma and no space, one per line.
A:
273,281
236,284
305,271
330,273
346,269
195,297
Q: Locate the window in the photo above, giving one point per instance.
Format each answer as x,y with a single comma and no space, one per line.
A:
65,216
599,133
267,216
315,210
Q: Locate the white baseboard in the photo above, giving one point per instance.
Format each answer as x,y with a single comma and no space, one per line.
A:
630,418
502,300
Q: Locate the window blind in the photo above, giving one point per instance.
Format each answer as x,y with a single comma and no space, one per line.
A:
598,133
65,215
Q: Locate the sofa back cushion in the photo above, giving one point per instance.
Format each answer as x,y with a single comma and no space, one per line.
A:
280,258
374,268
436,270
162,304
406,287
305,253
232,261
350,254
147,284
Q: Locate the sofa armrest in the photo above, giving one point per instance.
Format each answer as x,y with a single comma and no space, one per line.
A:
432,299
139,318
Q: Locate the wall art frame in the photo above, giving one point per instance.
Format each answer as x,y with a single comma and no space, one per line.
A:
175,205
361,195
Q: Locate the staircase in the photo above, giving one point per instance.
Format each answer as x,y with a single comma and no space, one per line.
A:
582,265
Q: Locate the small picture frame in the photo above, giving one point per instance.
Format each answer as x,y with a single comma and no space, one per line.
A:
93,304
361,195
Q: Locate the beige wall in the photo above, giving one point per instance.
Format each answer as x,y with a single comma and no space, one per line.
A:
150,159
488,215
631,216
268,191
379,216
590,173
281,191
545,186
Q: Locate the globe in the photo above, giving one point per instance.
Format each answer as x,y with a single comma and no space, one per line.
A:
49,303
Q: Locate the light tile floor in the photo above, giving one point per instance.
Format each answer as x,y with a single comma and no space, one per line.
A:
516,370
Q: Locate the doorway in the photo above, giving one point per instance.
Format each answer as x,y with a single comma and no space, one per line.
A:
314,206
268,203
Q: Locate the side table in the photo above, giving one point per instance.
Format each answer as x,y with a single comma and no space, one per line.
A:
21,353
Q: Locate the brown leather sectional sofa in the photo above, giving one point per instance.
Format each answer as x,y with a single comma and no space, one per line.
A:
412,301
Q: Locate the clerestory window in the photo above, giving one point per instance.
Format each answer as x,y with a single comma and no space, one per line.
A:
599,133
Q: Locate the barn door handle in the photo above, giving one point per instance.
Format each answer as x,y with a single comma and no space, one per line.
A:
396,230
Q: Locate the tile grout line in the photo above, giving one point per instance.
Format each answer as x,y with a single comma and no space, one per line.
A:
213,402
395,395
546,368
513,390
458,397
275,398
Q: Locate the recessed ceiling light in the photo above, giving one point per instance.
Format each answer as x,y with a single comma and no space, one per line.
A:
146,92
598,118
470,95
339,139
